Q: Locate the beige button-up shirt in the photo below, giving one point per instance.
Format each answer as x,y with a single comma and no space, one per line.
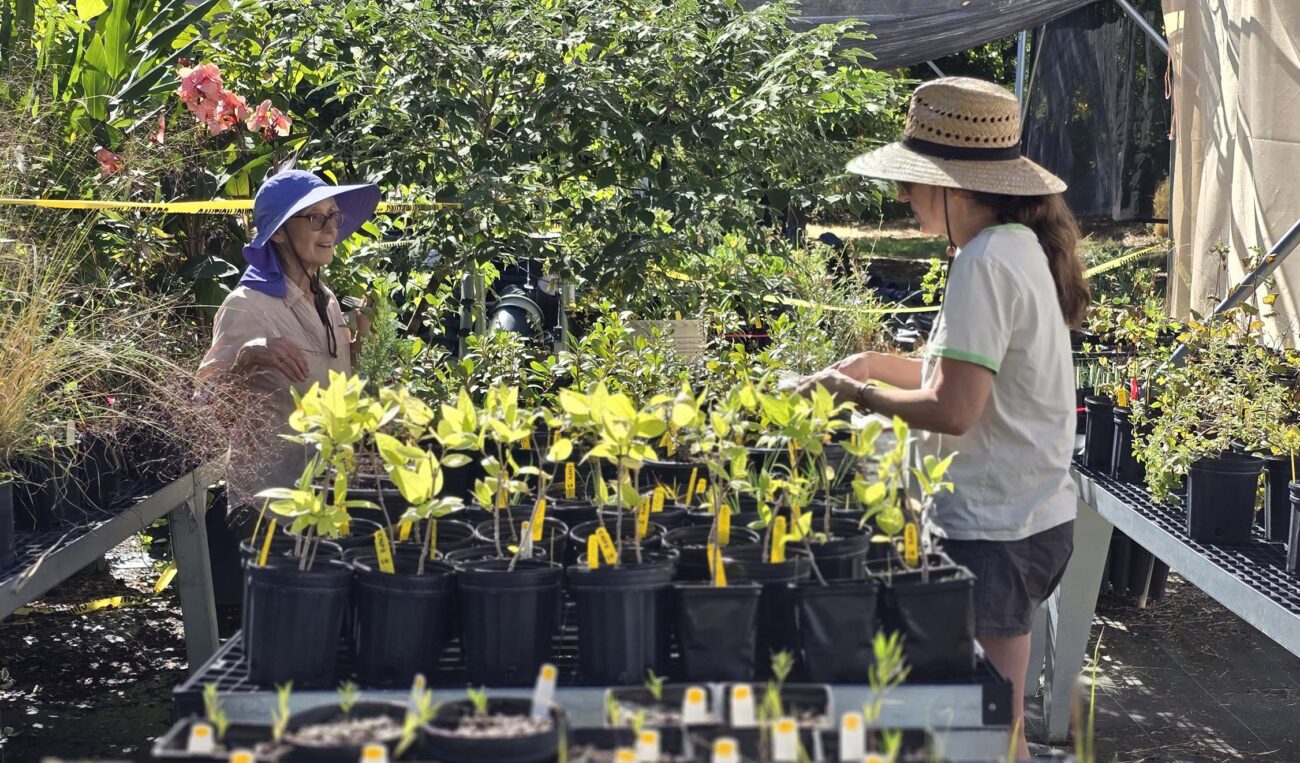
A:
259,457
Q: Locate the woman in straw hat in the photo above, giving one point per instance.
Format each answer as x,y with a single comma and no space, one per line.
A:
996,383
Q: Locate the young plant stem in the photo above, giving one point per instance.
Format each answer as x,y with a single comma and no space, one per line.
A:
496,511
618,522
379,492
424,551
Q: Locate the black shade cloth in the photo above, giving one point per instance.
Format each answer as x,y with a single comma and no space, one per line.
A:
914,31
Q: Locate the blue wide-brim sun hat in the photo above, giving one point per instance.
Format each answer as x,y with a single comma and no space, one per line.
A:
284,195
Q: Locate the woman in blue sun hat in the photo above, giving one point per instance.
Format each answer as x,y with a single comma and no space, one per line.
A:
282,329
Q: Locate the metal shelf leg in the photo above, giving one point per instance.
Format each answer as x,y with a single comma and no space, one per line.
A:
194,575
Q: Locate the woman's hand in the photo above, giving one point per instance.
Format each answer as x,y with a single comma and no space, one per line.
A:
843,388
855,367
277,354
365,316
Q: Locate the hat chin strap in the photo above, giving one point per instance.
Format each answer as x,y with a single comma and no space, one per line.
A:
319,299
952,246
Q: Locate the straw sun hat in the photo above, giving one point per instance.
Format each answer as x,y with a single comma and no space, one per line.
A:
961,133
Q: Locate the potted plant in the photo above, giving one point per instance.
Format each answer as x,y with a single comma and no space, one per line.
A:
498,729
620,588
337,733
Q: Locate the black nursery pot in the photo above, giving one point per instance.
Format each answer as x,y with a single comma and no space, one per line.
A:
1277,500
777,629
675,475
692,543
46,493
508,618
6,522
1221,499
845,555
1124,466
936,618
330,712
555,534
623,627
173,745
1293,534
1099,433
716,637
578,536
403,619
448,748
837,623
293,620
672,515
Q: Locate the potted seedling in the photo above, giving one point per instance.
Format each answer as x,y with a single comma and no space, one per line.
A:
213,737
481,728
509,604
659,705
336,733
621,588
756,714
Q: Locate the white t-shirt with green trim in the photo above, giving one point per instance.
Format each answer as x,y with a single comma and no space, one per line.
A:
1011,475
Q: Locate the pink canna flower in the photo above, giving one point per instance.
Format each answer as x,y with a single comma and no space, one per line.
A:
280,123
202,82
231,110
109,162
160,135
269,121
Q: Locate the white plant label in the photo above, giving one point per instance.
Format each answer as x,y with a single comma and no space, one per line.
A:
694,708
785,741
853,738
725,750
742,707
202,739
374,753
647,746
544,690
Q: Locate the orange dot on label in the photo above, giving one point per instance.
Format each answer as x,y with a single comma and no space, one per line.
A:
373,752
626,756
241,756
724,747
202,731
741,692
785,726
851,722
695,695
649,737
548,672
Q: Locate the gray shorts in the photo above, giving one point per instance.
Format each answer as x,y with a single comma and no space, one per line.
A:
1013,577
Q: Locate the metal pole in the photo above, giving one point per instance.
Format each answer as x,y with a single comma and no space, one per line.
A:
1251,282
1145,25
936,69
1022,45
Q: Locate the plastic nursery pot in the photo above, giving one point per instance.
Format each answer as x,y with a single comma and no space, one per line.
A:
578,535
673,515
507,618
482,552
692,543
294,619
1221,499
100,481
716,637
599,745
623,626
445,739
811,705
45,491
403,619
755,744
1277,501
697,516
777,629
174,744
674,475
662,712
935,616
837,623
6,522
555,534
360,536
1124,466
845,554
323,734
570,511
1293,534
1099,433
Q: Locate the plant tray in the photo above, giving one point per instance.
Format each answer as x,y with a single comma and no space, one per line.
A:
30,546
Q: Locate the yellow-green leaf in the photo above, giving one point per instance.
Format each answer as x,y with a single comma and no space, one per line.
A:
89,9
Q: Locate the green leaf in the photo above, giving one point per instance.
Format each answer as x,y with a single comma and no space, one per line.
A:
89,9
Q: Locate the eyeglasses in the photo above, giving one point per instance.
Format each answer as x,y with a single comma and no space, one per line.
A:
318,221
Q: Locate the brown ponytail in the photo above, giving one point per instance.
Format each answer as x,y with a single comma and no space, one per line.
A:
1058,232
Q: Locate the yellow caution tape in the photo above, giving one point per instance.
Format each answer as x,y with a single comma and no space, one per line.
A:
198,207
112,602
1106,267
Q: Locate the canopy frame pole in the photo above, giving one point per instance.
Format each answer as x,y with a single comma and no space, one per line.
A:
1144,25
1022,45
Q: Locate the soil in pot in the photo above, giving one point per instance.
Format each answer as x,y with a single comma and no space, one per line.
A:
935,616
692,544
508,618
837,623
716,634
777,628
1099,433
623,624
506,733
1221,499
662,712
327,735
239,736
293,620
555,534
403,620
1124,466
6,523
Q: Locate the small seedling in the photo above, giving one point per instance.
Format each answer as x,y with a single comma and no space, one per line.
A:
655,685
280,713
348,696
770,709
479,699
421,711
613,710
216,715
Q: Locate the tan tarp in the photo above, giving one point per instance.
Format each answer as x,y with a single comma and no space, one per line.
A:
1237,168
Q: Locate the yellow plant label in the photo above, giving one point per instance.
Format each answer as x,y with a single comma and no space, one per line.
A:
778,540
404,531
911,545
539,518
607,550
657,501
796,513
643,518
724,525
758,322
1121,397
701,486
266,544
717,569
527,443
345,528
690,485
593,552
501,499
433,537
570,480
384,552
